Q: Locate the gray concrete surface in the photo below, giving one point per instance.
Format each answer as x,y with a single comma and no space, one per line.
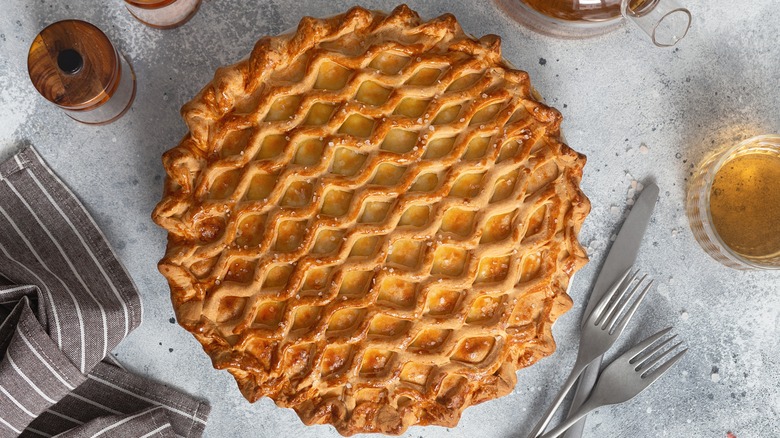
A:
638,112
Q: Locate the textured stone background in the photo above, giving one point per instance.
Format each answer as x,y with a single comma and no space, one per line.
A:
638,113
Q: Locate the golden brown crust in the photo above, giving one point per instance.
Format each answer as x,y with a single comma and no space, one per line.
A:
371,267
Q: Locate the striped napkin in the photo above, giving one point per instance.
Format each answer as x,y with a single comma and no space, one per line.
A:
65,303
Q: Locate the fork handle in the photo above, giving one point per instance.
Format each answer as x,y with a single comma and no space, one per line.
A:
584,410
542,424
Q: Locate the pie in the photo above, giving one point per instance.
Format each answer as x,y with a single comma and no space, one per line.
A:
373,221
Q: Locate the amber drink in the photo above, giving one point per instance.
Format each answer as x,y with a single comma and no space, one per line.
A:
734,204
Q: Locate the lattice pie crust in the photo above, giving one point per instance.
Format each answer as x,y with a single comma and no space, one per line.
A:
372,221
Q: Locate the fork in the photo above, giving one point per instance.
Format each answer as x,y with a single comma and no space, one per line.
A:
604,325
627,376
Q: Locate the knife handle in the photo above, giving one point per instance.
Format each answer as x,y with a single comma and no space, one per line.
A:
545,420
584,385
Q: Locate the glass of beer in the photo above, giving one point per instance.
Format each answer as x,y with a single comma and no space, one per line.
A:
734,204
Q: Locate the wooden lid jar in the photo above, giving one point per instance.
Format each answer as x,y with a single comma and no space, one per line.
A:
73,64
163,14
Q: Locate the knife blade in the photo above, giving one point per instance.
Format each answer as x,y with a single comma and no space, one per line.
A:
620,258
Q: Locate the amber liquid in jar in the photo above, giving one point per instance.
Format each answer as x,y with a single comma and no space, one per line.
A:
582,10
745,204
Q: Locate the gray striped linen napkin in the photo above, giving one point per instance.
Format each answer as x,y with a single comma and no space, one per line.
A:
65,302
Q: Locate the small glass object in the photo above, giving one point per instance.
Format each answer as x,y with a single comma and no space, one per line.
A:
73,64
733,204
163,14
664,21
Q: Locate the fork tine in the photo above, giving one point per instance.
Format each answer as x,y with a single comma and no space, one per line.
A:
623,291
640,347
658,372
658,360
624,300
598,311
621,324
642,362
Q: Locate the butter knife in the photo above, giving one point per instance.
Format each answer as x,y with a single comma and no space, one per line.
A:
620,258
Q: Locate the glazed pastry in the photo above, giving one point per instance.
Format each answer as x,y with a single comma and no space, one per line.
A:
373,221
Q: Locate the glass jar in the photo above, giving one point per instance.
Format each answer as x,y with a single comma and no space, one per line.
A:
163,14
73,64
665,21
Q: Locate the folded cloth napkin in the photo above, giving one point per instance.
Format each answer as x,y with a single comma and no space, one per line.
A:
65,303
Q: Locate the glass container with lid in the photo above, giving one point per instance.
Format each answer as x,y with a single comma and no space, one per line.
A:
74,65
665,21
163,14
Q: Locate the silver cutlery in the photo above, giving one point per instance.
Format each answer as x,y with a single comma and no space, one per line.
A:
627,376
601,329
621,256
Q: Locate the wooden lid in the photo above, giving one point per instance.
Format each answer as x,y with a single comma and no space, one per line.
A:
73,64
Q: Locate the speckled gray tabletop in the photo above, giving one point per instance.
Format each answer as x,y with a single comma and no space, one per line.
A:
639,113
